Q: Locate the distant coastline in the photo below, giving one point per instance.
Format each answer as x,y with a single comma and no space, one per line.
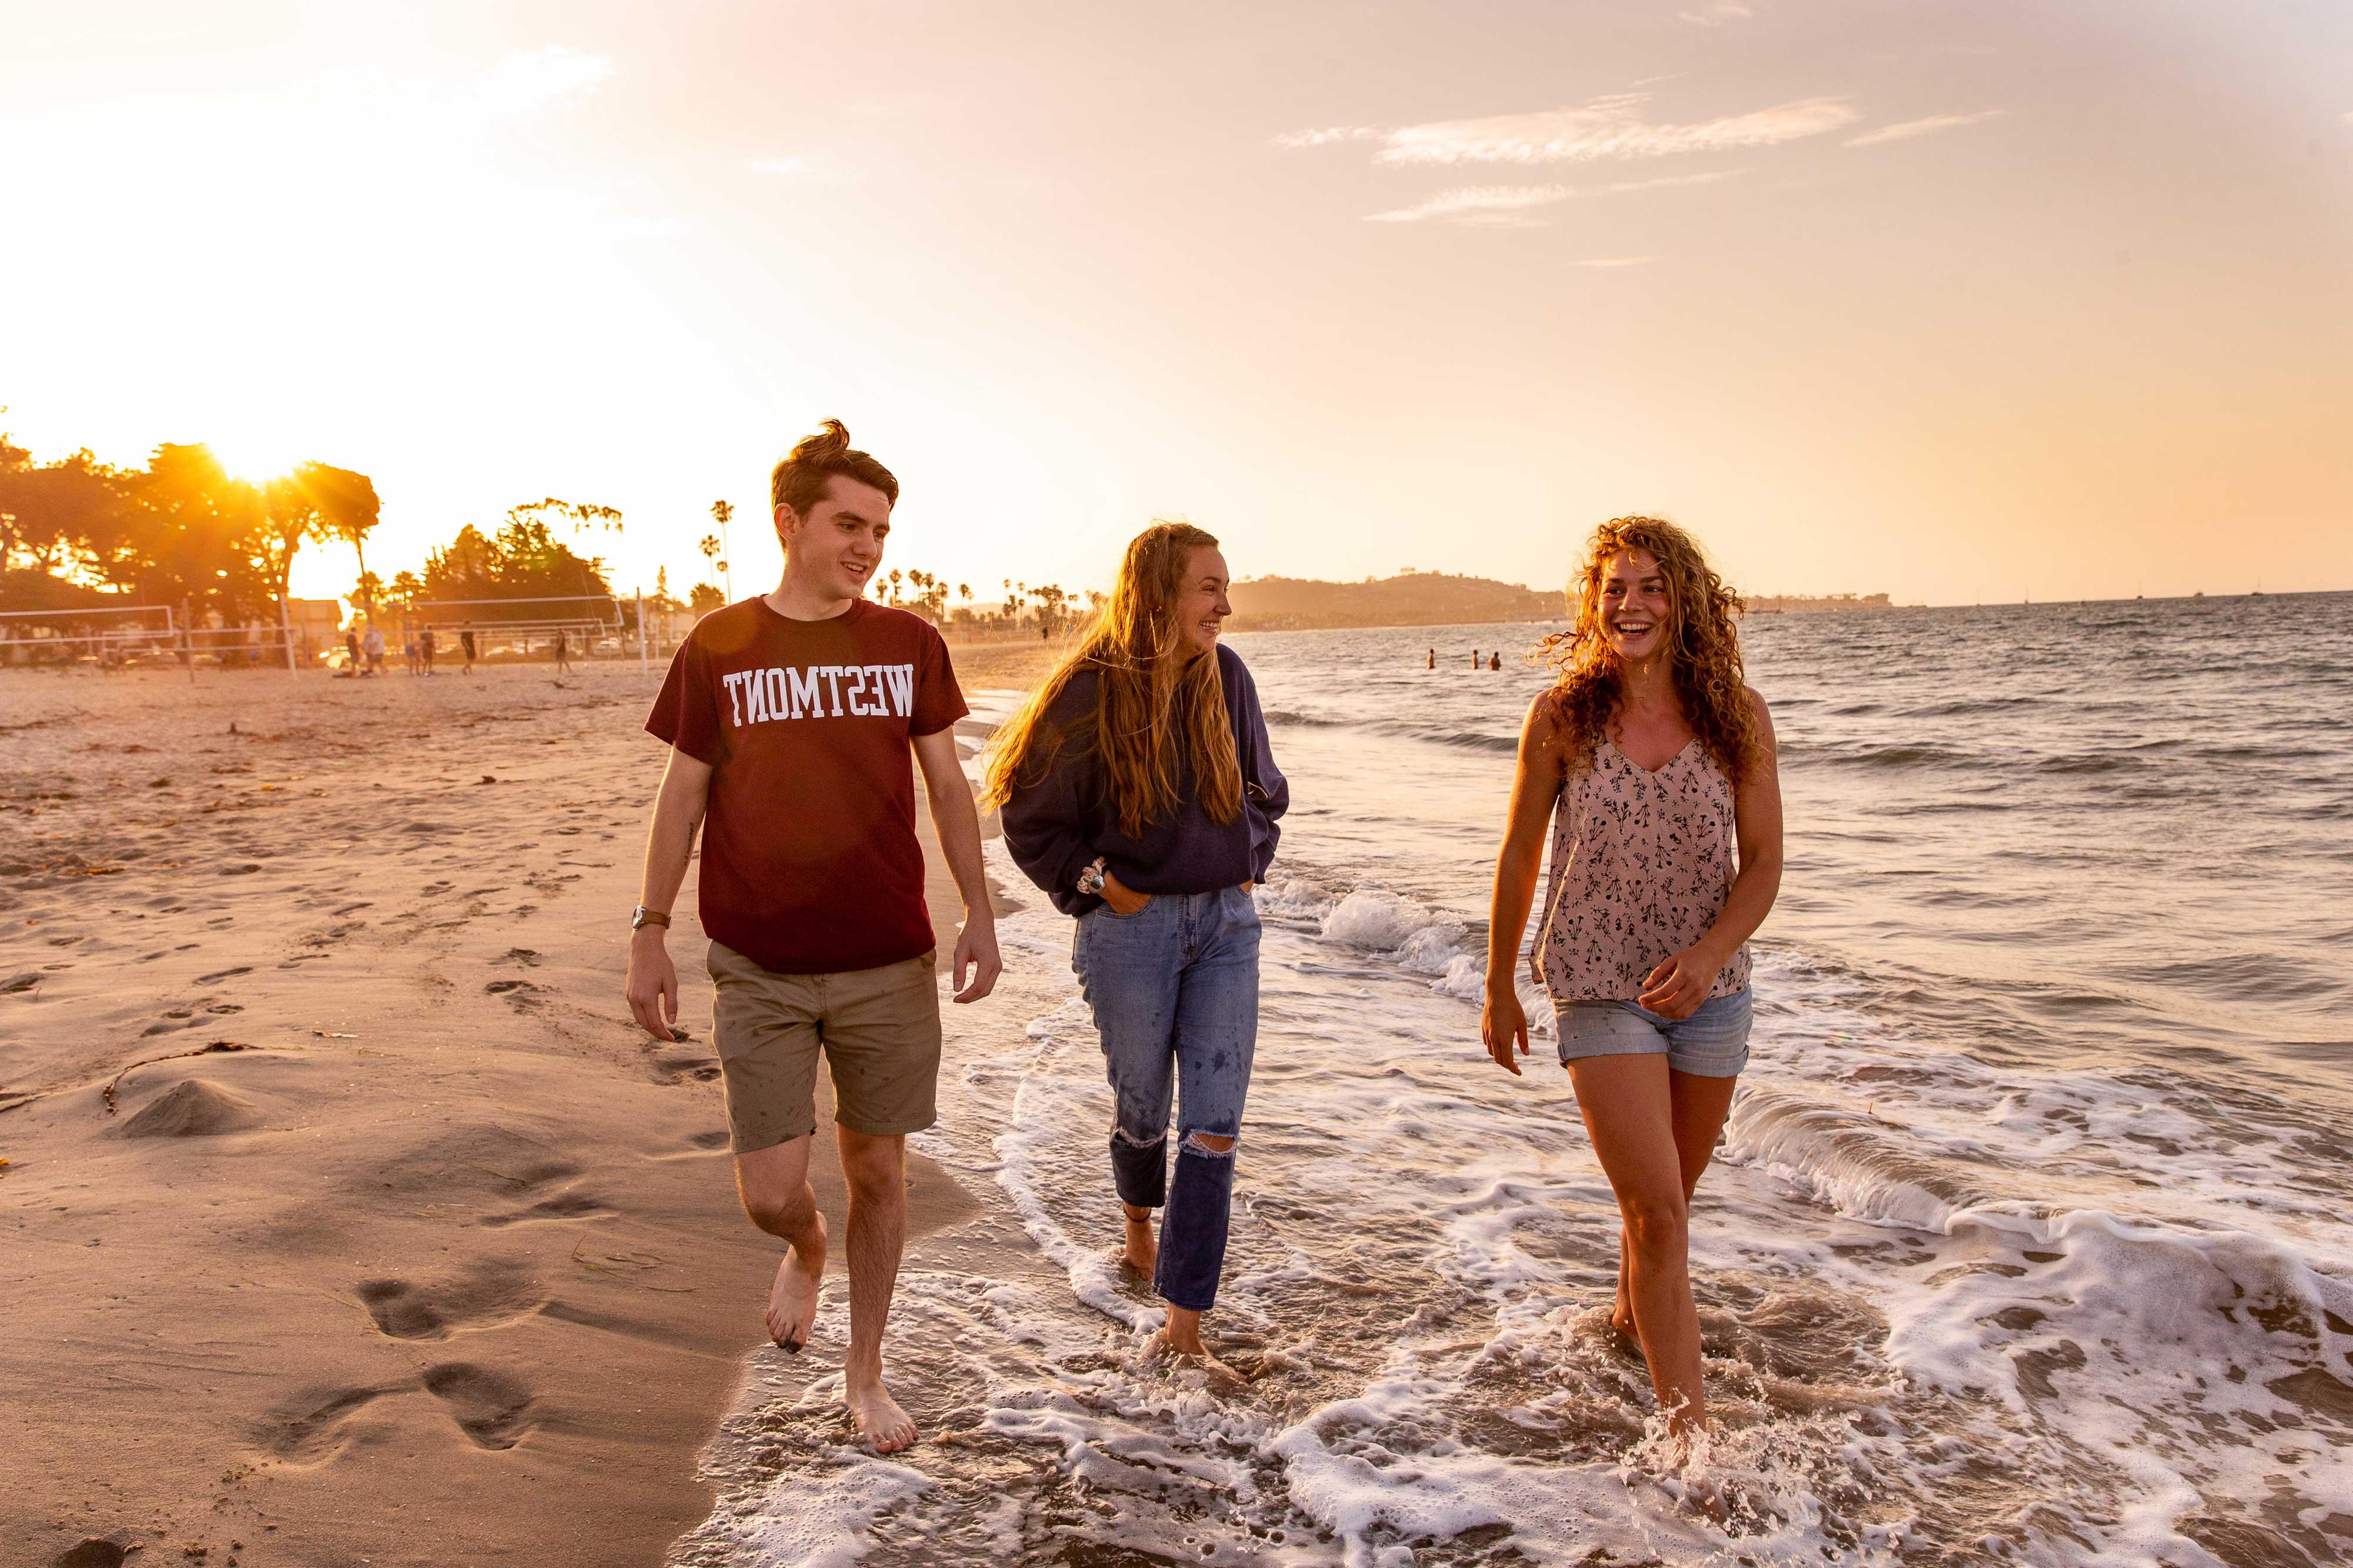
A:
1442,599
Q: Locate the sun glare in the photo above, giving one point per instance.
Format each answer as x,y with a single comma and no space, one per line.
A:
254,459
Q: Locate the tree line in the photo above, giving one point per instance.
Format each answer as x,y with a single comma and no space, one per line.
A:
78,533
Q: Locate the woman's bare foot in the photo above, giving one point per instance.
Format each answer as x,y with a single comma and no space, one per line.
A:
1142,1251
881,1426
1222,1377
791,1299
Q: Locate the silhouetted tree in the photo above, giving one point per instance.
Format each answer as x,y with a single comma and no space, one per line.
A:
348,508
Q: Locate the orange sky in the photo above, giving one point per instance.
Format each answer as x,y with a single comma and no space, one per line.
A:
1952,300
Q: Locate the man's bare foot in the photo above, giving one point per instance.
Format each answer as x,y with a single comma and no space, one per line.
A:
791,1299
1142,1251
882,1425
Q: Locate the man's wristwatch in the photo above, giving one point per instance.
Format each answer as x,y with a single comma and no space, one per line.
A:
642,916
1090,880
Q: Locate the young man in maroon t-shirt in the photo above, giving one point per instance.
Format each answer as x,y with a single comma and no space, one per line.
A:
790,717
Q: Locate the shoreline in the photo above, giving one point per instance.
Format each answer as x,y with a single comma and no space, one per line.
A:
350,1219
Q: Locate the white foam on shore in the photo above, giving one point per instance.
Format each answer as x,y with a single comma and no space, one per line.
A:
1938,1299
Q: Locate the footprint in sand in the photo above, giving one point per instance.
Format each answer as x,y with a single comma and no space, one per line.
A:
522,995
483,1295
220,974
311,1426
490,1407
520,957
560,1206
675,1068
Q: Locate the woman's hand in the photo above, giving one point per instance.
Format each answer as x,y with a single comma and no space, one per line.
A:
1678,986
1504,1023
1122,899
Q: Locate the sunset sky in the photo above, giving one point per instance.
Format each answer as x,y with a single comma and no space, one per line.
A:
1953,301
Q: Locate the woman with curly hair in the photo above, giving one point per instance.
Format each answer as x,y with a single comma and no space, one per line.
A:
1654,761
1139,792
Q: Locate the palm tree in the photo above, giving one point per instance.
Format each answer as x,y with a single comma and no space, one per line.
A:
710,547
725,513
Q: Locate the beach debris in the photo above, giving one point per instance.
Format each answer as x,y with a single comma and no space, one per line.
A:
490,778
333,1035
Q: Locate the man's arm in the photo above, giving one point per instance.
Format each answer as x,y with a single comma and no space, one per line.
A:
958,826
652,987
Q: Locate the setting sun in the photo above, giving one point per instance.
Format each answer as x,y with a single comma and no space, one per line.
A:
256,459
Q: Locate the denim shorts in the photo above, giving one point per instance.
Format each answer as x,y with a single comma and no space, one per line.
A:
1712,1043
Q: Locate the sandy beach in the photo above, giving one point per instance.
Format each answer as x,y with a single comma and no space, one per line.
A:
349,1220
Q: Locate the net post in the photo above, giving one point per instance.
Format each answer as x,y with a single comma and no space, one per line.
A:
286,634
642,667
188,638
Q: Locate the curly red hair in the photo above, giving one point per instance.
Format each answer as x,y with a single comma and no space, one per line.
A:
1702,649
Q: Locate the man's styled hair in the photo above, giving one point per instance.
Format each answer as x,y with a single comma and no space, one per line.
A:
799,480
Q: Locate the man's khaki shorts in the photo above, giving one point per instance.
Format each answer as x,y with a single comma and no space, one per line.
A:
878,1030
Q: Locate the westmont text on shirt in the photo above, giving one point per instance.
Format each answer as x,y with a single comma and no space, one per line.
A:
820,691
810,864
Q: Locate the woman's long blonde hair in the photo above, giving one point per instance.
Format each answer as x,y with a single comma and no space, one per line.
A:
1702,649
1155,703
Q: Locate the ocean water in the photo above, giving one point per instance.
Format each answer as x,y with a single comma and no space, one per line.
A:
2028,1240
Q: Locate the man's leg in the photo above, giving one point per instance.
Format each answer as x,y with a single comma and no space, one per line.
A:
876,1170
764,1026
882,1046
775,1187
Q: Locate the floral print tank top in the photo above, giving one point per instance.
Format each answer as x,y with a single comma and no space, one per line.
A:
1641,864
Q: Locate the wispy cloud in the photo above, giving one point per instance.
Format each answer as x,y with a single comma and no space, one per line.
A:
1611,261
1327,136
1610,127
531,80
1904,130
1615,186
1478,204
1510,206
1716,14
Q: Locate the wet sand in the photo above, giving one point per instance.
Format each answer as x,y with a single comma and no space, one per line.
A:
348,1219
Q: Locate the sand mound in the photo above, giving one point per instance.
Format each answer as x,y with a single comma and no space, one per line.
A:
92,1554
193,1110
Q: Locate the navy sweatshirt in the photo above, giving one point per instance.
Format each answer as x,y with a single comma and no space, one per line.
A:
1059,824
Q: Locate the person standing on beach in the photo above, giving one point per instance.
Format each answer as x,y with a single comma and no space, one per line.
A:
372,645
466,644
790,717
563,652
1139,792
1654,761
1495,659
352,651
424,648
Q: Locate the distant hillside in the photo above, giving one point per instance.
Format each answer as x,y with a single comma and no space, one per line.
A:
1435,599
1415,599
1814,604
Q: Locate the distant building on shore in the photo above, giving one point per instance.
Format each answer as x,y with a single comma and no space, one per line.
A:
1814,604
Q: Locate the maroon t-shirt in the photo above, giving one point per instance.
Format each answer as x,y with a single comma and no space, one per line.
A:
809,859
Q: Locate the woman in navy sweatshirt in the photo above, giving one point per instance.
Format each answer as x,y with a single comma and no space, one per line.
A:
1139,792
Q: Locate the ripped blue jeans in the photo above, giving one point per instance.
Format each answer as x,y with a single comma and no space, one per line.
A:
1175,992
